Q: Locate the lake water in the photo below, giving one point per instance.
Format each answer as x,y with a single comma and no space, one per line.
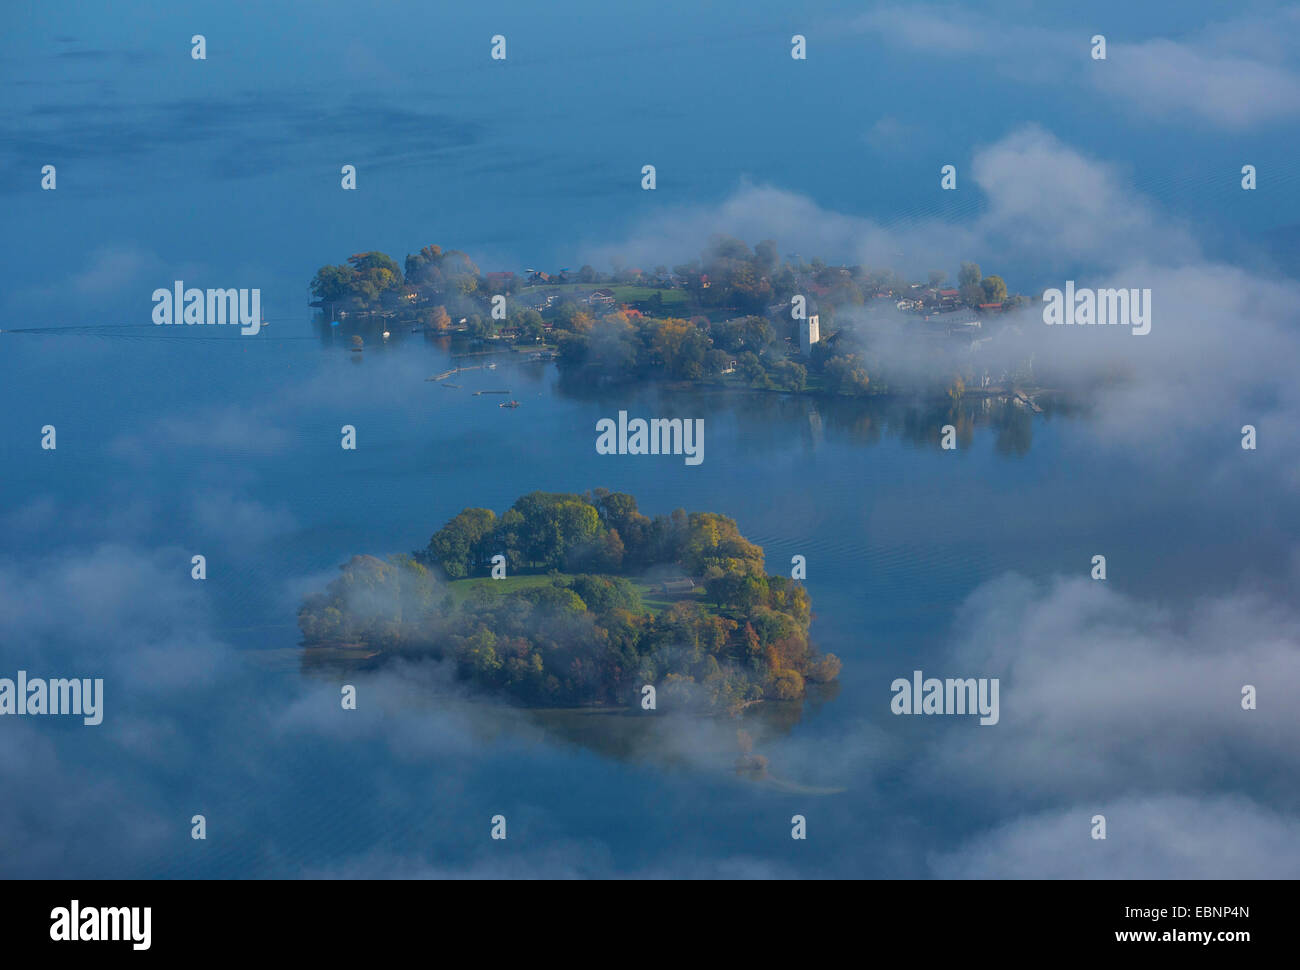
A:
170,443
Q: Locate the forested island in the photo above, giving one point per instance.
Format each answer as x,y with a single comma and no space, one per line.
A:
732,317
598,601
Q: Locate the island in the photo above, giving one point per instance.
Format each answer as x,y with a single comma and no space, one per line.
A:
734,317
594,602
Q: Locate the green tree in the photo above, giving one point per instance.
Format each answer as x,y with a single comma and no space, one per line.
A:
751,368
790,376
376,275
463,543
847,375
787,685
968,280
995,289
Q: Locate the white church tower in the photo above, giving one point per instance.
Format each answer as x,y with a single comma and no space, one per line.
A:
809,334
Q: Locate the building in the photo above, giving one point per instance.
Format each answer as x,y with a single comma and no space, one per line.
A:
809,334
678,586
538,303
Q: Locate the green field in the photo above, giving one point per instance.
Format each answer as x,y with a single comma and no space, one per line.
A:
460,589
652,601
636,294
623,293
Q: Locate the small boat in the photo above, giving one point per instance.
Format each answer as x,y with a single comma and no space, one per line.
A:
491,366
508,404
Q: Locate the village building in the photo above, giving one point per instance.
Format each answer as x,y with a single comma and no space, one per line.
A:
676,587
809,334
602,298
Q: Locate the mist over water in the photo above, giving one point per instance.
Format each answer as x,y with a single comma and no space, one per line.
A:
897,535
175,441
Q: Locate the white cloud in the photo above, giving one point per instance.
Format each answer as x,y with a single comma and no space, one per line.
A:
1234,75
1045,200
1167,80
1103,696
112,268
1222,343
234,429
110,611
1166,837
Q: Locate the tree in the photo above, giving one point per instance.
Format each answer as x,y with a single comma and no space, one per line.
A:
972,294
605,593
847,375
677,348
937,276
824,669
751,368
437,270
333,284
589,638
461,544
419,266
531,327
375,274
367,281
790,376
552,524
995,289
478,657
715,540
723,247
744,333
787,685
766,256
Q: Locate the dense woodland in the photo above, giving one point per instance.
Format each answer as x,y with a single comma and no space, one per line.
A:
586,634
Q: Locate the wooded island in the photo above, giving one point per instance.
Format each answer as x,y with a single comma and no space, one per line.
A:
597,601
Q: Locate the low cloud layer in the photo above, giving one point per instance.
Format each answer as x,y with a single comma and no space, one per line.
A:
1168,837
1234,75
1222,338
1105,695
